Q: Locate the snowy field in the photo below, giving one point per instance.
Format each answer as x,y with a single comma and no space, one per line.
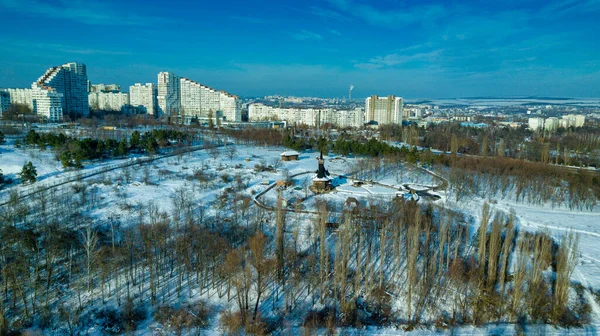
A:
206,177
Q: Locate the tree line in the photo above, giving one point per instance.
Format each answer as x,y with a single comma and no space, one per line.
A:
72,151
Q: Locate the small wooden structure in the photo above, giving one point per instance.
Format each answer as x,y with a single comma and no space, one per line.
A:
321,182
289,156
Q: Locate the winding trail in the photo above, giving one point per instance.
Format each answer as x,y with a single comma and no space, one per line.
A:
102,170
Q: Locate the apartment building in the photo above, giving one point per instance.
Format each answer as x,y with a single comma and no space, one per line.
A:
108,101
48,102
200,101
143,97
169,94
384,110
71,81
21,96
307,116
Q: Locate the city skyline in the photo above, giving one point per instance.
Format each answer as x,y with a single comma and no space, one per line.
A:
434,49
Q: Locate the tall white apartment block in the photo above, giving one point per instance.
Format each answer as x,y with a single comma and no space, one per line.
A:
169,94
47,102
108,101
572,120
197,100
535,123
143,97
21,96
71,81
384,110
350,118
551,124
4,101
307,116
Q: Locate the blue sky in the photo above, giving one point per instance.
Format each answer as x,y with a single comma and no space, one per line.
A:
412,49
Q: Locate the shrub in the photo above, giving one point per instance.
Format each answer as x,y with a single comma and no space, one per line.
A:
188,316
111,320
234,323
132,315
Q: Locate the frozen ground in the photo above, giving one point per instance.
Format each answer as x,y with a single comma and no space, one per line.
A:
120,189
557,221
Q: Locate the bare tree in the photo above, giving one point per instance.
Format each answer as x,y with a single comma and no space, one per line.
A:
89,241
231,151
566,260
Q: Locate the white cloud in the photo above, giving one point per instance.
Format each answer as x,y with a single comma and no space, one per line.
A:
307,35
400,58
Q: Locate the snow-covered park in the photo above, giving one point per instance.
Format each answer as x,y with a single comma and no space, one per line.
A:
216,183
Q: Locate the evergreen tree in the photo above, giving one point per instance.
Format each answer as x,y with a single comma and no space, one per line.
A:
28,173
122,148
134,142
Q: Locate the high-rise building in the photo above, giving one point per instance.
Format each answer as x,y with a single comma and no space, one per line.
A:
169,94
108,101
70,80
551,124
200,101
4,101
535,123
384,110
573,120
143,97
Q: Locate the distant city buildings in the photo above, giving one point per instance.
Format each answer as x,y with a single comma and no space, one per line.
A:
384,110
552,123
143,97
307,116
535,124
572,120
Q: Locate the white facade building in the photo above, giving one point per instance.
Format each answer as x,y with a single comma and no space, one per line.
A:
21,96
108,101
169,94
535,123
573,120
350,118
47,102
551,124
307,116
384,110
200,101
143,97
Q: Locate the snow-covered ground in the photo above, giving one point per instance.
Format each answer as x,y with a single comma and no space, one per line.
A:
205,178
